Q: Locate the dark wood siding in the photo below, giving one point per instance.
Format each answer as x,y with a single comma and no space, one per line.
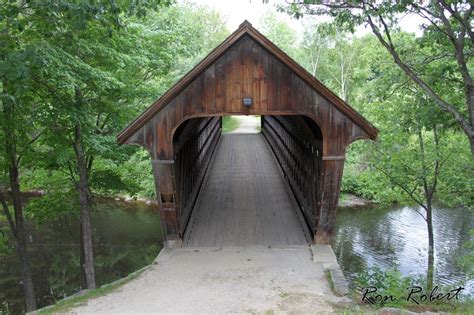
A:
247,69
310,145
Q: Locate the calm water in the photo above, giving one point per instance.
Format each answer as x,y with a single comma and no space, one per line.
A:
397,236
127,236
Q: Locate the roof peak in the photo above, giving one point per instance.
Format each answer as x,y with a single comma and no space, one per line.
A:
246,28
245,23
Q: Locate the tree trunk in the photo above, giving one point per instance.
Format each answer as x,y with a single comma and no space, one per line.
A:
471,142
429,192
21,247
430,270
82,260
470,107
18,227
85,204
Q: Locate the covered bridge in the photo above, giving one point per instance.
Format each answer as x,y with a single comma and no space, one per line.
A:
280,186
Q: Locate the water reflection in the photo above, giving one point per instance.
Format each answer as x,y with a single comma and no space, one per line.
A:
397,237
127,236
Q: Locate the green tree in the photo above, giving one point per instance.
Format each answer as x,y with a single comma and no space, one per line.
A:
18,133
421,157
447,27
42,80
89,66
279,32
419,153
330,51
317,38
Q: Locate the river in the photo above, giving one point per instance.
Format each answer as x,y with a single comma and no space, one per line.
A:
397,237
127,236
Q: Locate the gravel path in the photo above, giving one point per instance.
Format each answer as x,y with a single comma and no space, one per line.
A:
220,281
248,124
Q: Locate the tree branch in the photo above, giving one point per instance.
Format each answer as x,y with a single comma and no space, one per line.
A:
405,189
464,21
425,87
458,43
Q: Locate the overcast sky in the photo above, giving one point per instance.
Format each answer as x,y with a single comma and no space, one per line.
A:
236,11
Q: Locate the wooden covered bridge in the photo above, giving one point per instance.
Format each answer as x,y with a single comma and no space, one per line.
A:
278,187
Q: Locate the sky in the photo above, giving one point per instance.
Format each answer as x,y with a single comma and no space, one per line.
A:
236,11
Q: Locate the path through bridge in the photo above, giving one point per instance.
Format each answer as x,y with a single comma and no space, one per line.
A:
244,199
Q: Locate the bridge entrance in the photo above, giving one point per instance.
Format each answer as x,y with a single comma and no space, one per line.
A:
279,187
244,199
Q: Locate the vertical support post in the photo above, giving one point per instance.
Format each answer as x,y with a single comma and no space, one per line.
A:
163,173
330,189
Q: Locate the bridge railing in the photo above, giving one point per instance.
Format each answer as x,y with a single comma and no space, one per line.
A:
194,143
297,144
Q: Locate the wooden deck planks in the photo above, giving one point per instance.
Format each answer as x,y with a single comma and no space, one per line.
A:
244,199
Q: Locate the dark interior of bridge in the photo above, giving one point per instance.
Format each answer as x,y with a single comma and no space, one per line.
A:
248,189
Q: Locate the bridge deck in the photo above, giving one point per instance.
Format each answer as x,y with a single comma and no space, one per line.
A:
245,199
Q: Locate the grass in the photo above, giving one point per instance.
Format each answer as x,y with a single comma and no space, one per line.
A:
284,295
81,298
456,307
229,123
328,275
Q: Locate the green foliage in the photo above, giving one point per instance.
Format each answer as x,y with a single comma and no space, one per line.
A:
137,169
5,248
93,65
363,180
402,114
466,259
119,59
97,64
388,283
279,32
107,178
51,206
229,123
392,283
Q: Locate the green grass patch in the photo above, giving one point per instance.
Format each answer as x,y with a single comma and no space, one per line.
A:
229,123
65,305
328,275
391,283
284,295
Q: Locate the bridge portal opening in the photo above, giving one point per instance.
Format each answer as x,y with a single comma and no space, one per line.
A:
247,124
253,186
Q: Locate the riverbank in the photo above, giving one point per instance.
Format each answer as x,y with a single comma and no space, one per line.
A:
348,200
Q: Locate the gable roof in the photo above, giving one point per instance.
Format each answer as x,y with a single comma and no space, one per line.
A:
246,29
